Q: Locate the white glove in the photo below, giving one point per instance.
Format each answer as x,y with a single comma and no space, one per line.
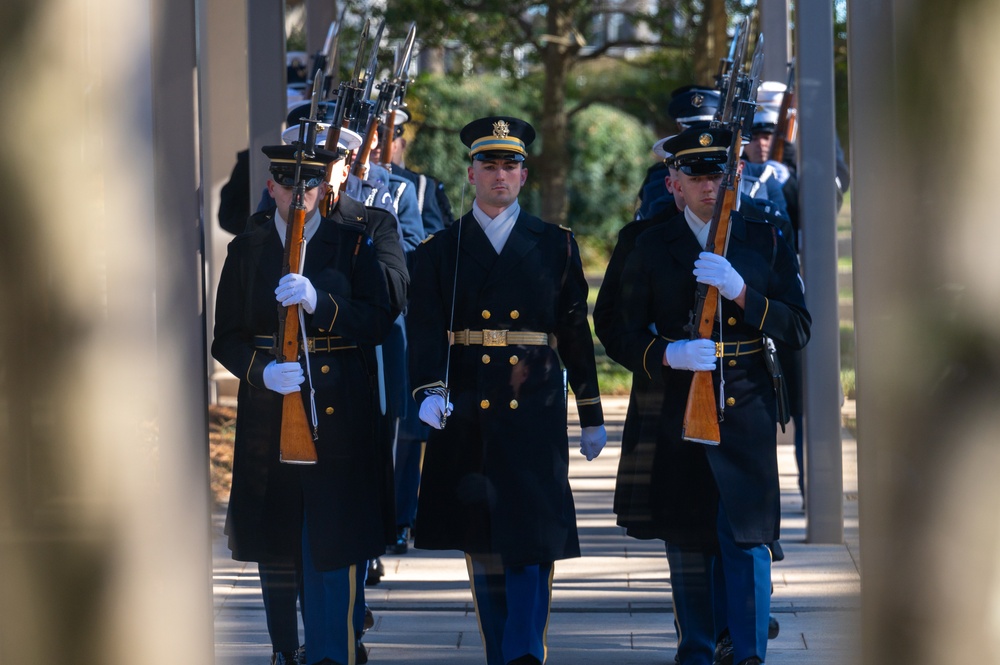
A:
592,440
781,172
717,271
433,409
283,378
696,355
296,289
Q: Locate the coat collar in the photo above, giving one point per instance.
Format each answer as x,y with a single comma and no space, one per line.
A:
682,242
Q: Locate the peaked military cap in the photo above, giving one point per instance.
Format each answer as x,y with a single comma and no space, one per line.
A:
700,150
765,121
401,118
282,165
298,113
770,94
660,152
693,106
498,137
348,140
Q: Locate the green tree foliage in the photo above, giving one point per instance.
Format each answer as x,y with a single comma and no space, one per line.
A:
610,152
608,148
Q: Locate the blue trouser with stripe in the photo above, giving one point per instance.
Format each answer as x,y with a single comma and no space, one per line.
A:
702,609
512,606
333,609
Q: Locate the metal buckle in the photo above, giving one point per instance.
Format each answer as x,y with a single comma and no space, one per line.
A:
311,344
719,349
494,338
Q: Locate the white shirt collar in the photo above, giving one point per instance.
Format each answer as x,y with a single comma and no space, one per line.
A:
497,229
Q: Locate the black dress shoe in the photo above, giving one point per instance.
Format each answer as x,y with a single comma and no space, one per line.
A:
375,572
772,627
402,544
369,619
284,658
724,652
360,653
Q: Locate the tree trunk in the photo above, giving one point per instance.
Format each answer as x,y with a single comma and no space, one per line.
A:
552,165
711,42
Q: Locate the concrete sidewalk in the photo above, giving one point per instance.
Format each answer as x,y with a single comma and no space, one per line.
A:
612,605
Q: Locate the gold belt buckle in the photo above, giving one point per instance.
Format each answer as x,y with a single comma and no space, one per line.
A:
311,344
494,338
720,349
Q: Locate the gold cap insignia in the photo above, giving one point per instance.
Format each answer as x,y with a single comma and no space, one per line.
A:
697,101
705,140
501,129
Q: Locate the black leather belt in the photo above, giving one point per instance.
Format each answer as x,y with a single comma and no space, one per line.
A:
315,344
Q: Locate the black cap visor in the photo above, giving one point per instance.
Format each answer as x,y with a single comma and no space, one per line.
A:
498,155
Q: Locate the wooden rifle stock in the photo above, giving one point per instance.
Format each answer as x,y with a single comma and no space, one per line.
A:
389,133
701,415
297,444
787,118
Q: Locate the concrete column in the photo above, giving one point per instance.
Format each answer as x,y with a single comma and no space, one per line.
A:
817,201
775,24
222,96
319,15
104,522
266,79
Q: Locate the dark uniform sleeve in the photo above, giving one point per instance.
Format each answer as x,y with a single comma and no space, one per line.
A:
382,227
639,349
427,320
575,343
364,315
233,344
780,313
606,319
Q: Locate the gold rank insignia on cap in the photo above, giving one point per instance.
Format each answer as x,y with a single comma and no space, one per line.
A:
501,129
705,139
697,101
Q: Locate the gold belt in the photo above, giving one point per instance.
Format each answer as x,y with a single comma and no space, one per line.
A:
315,344
499,338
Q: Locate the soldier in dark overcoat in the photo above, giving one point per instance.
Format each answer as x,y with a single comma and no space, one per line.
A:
495,478
713,505
333,514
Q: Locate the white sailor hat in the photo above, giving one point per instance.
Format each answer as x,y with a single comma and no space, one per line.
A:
770,94
349,140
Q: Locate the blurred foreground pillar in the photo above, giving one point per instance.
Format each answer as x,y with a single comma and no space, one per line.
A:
923,92
104,523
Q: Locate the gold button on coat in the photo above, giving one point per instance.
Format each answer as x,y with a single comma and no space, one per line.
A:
732,363
325,369
513,404
329,410
486,314
732,321
485,404
514,314
486,359
513,360
730,401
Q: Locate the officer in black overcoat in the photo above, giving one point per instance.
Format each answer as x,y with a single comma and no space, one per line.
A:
715,506
332,516
508,292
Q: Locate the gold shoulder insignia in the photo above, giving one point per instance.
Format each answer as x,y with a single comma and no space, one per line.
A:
566,228
426,239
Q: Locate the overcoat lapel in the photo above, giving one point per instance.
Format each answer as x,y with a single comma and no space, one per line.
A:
268,252
475,243
683,245
523,238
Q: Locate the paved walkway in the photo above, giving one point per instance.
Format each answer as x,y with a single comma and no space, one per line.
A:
612,605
